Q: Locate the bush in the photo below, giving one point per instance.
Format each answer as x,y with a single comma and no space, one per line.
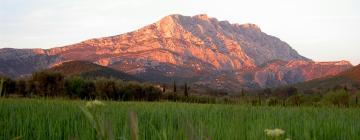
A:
152,93
338,98
355,99
132,91
169,95
106,89
295,100
78,87
313,100
1,86
272,101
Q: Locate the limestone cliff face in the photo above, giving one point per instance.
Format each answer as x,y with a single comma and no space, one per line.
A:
197,49
177,40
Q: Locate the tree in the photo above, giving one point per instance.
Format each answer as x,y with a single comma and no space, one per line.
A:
132,91
164,88
48,83
1,86
339,98
267,92
152,93
78,87
30,88
357,95
7,86
296,99
89,90
272,101
242,93
186,93
356,98
174,87
106,89
21,87
291,91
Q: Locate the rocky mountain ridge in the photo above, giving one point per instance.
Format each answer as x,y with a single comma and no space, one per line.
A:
196,49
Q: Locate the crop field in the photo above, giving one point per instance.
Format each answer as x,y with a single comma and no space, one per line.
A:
65,119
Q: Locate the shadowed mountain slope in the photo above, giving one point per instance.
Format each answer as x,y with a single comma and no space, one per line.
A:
349,78
90,70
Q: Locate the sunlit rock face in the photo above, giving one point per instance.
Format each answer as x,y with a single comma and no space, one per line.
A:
197,49
178,39
283,73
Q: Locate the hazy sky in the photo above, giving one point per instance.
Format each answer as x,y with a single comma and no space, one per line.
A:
323,30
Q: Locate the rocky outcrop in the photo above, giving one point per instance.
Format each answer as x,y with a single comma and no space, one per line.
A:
199,49
18,62
272,74
284,73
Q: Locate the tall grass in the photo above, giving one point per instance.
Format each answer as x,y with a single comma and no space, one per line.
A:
62,119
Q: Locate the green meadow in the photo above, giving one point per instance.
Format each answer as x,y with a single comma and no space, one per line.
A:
63,119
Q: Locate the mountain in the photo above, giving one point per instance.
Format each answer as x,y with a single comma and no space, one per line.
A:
18,62
194,49
274,73
349,78
353,74
90,70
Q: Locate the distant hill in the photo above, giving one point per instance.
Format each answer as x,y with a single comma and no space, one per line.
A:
90,70
353,74
349,78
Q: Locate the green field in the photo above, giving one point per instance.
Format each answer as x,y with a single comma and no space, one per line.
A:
63,119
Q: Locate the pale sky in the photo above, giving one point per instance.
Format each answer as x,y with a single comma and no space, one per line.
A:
322,30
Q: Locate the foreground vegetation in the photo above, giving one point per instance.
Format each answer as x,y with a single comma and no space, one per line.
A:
286,113
63,119
54,85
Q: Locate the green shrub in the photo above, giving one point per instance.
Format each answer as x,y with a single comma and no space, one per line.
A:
78,87
313,100
133,91
106,89
272,101
338,98
295,100
1,86
152,93
355,99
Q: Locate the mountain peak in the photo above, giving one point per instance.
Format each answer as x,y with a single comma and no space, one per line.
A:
250,26
171,17
176,18
202,16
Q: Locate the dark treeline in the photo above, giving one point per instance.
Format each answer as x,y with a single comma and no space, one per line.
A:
340,96
49,84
